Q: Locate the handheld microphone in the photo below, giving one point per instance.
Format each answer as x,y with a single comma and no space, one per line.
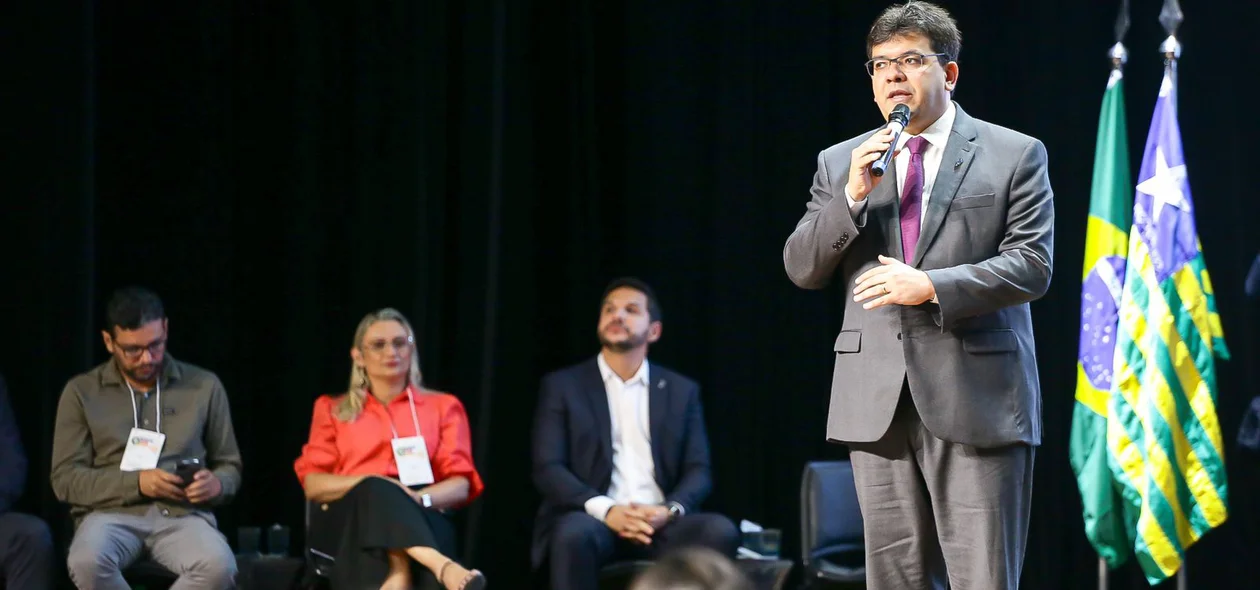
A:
897,121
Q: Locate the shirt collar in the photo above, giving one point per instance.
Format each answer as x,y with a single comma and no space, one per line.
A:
937,134
605,371
400,398
111,375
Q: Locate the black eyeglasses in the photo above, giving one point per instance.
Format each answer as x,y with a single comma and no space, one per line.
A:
133,352
910,63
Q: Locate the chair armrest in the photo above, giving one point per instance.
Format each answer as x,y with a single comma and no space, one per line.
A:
838,549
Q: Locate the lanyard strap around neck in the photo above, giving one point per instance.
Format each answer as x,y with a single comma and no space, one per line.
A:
135,413
411,401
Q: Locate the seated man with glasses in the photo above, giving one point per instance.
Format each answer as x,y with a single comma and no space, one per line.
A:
143,450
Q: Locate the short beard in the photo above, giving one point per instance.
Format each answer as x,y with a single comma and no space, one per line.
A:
134,375
632,342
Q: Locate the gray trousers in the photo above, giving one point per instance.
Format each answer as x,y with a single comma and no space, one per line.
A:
190,546
934,510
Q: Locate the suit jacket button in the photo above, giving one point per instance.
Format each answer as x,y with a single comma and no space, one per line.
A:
836,245
898,335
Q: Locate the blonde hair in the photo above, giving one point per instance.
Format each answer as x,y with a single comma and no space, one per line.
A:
351,404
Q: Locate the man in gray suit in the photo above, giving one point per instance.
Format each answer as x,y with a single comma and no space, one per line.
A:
935,387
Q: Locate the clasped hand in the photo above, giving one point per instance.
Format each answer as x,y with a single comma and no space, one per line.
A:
637,522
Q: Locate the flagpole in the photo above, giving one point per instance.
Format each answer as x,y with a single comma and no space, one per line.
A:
1170,16
1119,55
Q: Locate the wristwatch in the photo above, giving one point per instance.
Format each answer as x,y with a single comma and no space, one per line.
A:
427,500
675,510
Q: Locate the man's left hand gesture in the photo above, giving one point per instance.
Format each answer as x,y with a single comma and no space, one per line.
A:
894,282
205,487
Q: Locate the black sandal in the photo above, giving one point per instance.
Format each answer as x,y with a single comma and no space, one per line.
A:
475,580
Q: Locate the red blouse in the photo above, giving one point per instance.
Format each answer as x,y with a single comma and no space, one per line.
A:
362,447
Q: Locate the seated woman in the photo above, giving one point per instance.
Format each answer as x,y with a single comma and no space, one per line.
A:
385,458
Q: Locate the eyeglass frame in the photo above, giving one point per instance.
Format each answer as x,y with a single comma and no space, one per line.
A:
870,63
407,345
135,351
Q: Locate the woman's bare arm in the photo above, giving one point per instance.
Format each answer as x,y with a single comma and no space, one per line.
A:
326,487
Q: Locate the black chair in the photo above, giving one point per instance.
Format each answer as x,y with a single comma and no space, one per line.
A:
832,547
149,575
318,553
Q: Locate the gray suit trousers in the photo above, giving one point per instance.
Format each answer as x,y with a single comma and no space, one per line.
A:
189,546
935,511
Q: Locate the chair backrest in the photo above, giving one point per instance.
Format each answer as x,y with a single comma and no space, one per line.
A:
830,515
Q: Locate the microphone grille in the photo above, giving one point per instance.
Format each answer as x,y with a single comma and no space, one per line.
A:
900,113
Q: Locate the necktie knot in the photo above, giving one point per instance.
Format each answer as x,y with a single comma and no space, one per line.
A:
917,144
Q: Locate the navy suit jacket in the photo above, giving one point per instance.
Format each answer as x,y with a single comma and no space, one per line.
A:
12,460
572,443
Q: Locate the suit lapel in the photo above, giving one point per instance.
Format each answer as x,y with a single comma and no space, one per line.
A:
658,404
597,397
959,151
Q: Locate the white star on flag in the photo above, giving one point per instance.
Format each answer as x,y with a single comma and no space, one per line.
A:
1165,186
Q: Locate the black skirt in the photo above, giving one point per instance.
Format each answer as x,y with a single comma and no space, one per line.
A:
373,518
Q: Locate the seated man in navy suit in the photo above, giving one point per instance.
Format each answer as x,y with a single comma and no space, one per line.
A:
620,453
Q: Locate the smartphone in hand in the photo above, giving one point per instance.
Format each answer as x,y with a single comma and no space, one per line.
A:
186,469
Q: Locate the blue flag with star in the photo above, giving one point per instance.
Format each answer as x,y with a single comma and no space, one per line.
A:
1163,438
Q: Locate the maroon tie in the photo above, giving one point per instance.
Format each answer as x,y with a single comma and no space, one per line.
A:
912,198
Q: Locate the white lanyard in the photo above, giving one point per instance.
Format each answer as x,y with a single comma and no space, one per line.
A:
135,419
414,421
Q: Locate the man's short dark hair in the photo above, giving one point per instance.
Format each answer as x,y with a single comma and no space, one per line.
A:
654,304
922,18
132,307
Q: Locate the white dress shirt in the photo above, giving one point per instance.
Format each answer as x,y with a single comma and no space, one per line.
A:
634,471
937,134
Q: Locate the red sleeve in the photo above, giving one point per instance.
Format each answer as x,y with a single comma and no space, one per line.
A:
319,454
454,451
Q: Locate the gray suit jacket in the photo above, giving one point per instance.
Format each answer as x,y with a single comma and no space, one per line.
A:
986,244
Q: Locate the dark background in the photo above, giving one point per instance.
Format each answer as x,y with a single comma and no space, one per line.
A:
276,170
